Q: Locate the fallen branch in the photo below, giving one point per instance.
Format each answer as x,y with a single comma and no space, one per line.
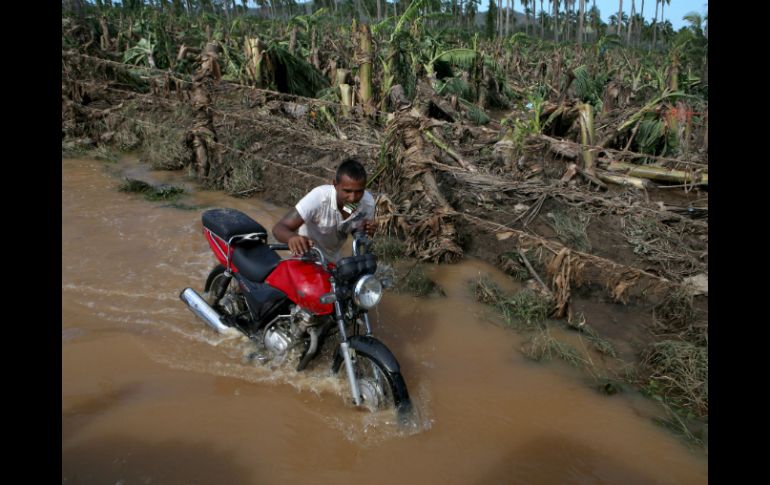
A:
433,139
330,119
624,180
659,173
570,149
534,273
616,277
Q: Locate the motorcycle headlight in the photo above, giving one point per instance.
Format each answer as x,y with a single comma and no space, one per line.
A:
367,292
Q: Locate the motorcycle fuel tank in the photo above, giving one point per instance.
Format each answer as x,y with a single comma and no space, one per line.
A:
304,283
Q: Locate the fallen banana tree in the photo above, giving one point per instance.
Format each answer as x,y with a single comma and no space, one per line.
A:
627,173
418,212
655,172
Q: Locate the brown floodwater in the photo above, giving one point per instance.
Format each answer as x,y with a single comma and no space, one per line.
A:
152,395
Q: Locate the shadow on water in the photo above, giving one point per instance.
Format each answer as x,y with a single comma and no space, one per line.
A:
126,460
554,459
81,410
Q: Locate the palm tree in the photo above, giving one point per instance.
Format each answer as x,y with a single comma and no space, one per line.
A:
620,16
542,20
507,17
594,16
556,20
655,26
580,24
525,6
569,7
663,4
630,23
641,24
696,23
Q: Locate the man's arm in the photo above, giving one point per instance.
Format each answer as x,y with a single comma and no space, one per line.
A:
285,231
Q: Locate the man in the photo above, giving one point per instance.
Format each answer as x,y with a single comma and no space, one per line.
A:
327,214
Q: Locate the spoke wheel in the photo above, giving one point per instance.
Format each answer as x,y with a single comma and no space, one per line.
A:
373,384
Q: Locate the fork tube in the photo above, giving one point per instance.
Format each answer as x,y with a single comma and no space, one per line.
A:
345,349
365,318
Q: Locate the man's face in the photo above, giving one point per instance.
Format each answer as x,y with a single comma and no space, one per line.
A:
349,190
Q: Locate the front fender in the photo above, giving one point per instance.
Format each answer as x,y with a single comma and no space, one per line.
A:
372,347
377,350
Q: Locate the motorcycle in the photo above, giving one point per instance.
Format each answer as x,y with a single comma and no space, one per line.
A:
299,303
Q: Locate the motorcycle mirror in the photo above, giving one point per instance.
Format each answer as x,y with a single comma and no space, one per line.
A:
328,298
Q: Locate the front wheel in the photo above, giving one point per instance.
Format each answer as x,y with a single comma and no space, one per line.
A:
379,387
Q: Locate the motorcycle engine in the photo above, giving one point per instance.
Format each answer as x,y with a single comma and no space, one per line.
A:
278,336
286,330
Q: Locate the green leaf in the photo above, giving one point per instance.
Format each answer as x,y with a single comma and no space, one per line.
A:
301,77
459,57
475,114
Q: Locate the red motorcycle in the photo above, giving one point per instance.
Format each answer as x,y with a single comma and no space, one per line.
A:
291,307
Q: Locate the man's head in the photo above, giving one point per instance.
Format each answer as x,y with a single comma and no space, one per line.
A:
350,182
353,169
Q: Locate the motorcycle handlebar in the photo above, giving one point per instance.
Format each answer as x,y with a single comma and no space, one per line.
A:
361,242
314,254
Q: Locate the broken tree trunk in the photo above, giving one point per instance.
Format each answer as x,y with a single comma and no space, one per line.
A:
419,211
654,172
105,41
293,39
439,143
332,72
342,76
254,53
202,137
346,95
586,117
397,99
365,69
314,57
624,180
621,282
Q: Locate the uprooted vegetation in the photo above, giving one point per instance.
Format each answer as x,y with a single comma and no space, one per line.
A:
594,178
150,192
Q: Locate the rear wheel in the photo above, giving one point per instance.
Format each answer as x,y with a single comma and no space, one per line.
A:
214,283
225,297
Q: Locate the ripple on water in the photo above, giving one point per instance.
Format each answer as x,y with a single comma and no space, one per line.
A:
233,357
70,334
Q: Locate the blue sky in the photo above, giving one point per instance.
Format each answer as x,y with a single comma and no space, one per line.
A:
674,12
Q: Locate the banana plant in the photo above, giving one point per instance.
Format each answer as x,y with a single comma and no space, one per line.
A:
232,63
141,53
396,63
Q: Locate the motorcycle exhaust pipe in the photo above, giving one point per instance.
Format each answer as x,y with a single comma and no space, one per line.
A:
198,306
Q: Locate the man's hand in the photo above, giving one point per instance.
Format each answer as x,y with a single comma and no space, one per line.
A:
369,227
299,245
285,231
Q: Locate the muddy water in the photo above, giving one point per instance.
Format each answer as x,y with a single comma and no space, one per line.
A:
149,394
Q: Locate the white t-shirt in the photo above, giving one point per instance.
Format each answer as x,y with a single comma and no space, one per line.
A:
324,223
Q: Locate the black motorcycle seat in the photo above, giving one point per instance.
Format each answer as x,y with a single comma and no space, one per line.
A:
255,261
227,223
